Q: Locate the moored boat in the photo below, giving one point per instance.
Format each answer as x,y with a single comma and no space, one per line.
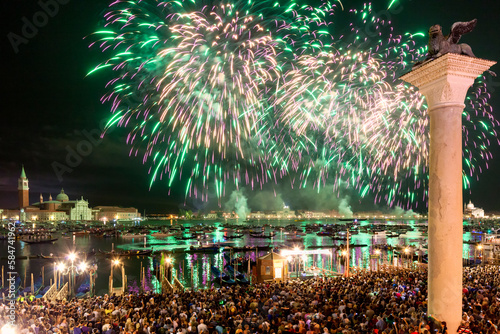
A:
39,241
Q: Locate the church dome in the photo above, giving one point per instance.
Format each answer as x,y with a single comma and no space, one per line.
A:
62,197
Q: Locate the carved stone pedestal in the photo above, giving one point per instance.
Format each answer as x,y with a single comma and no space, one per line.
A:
444,83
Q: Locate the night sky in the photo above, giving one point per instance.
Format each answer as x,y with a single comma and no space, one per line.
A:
49,107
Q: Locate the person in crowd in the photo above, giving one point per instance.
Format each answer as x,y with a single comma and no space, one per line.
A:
383,302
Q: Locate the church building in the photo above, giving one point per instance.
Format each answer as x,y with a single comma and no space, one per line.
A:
62,208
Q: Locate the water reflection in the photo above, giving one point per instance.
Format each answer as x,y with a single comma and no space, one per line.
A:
195,269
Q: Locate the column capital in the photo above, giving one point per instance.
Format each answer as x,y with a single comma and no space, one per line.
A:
445,80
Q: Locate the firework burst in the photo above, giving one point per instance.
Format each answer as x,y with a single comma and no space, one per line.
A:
258,91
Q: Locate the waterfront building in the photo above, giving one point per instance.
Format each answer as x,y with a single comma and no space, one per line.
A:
62,208
313,215
470,211
78,209
8,214
257,215
211,215
44,216
110,213
286,213
158,216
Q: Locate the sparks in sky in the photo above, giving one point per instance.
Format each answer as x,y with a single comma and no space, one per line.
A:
255,92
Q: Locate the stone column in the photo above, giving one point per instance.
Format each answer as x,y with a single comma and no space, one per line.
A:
444,83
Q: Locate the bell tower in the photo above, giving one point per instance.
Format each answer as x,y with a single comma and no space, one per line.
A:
23,190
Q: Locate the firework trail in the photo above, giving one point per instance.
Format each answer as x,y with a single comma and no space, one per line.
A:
347,111
192,78
254,92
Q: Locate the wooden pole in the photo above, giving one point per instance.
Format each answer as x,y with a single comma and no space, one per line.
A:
90,283
235,267
2,277
144,279
140,276
125,283
192,286
157,271
55,273
209,271
347,255
32,285
43,276
24,283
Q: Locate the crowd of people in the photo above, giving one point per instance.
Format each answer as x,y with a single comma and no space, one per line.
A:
388,302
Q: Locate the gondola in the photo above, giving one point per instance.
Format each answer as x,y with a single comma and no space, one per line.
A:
236,236
352,246
321,246
189,237
127,253
250,249
51,257
203,249
40,241
238,277
57,257
221,276
262,236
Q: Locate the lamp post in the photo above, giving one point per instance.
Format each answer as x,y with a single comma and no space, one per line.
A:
480,249
289,259
114,262
347,255
407,256
377,254
304,261
346,263
296,263
168,266
71,269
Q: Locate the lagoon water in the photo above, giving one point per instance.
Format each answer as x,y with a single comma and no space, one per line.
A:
194,269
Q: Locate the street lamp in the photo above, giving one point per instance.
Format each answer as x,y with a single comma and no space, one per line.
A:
168,268
407,252
346,263
377,253
8,329
289,259
304,260
71,269
480,249
116,262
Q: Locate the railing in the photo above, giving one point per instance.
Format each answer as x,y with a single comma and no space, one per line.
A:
63,293
167,286
178,285
51,293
